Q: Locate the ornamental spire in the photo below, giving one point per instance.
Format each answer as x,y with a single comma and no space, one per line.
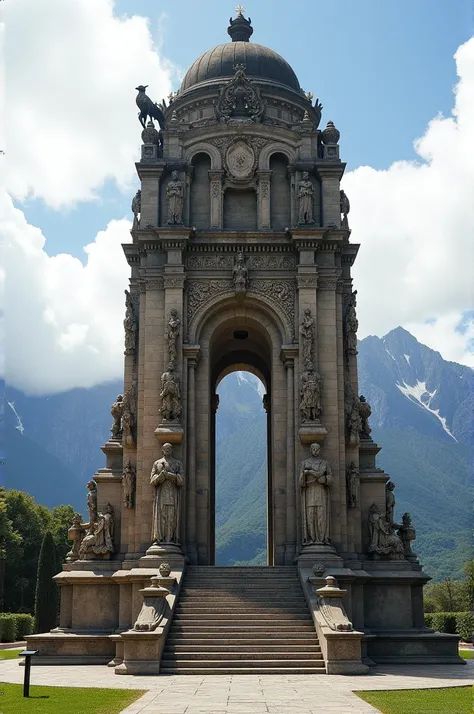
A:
240,29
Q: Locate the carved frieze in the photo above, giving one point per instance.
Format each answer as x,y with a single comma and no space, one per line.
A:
280,292
256,262
199,292
173,281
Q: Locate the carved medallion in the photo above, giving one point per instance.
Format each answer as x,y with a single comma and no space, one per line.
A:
240,160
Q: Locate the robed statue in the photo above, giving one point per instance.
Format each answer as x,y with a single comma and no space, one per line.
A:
175,196
167,477
305,199
383,540
315,481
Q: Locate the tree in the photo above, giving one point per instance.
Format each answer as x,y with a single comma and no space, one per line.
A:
469,584
46,599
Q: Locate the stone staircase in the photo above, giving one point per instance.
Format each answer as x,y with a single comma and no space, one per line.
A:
242,620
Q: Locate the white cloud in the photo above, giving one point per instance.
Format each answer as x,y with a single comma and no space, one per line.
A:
63,319
72,69
415,224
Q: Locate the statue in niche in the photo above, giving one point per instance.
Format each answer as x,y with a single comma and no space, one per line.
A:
353,418
305,198
364,411
167,477
345,207
136,209
92,504
315,481
310,394
116,411
240,275
353,485
172,333
351,325
128,417
175,196
75,534
383,541
130,325
128,485
170,396
307,335
100,541
406,532
390,502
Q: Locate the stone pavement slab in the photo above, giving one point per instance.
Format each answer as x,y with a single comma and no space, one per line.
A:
247,694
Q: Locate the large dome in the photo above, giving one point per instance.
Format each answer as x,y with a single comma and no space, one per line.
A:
259,61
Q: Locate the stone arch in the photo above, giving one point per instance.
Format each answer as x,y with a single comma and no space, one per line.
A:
204,148
275,148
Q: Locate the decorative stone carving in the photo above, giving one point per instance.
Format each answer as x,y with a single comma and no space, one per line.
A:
407,535
318,569
221,262
315,481
175,196
307,336
200,292
150,135
271,262
100,541
327,283
240,160
351,325
390,502
331,607
353,485
365,411
167,476
382,539
170,396
128,485
130,325
258,262
330,135
128,421
154,283
173,281
305,200
172,334
75,534
153,608
310,394
92,504
306,281
164,570
345,207
353,419
239,99
240,275
136,209
281,293
116,411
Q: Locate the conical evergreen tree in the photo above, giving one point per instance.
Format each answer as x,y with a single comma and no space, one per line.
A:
46,600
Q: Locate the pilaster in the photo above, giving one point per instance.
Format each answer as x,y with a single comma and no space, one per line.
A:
216,199
264,217
150,177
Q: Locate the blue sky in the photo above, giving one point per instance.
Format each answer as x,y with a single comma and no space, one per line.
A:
381,69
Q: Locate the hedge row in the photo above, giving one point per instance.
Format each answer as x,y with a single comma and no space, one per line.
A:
14,627
455,623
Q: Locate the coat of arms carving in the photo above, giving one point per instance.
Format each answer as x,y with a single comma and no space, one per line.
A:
239,100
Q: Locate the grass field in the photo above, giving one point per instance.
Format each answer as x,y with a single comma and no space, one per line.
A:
65,700
452,700
465,654
11,654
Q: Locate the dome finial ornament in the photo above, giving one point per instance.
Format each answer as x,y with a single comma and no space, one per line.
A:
240,29
240,10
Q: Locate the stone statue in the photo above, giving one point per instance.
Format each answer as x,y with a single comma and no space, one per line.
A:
172,333
351,325
175,195
75,534
128,485
353,485
305,198
148,108
240,275
128,417
407,534
92,504
390,502
130,325
382,539
353,419
136,209
116,411
170,396
310,394
364,411
100,541
315,481
345,207
307,335
168,478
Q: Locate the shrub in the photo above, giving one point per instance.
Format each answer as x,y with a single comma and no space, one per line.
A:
454,623
429,619
8,627
24,624
465,625
444,622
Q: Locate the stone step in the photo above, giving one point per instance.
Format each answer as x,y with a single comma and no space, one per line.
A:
239,616
230,639
241,569
250,664
242,628
242,670
241,607
177,647
238,656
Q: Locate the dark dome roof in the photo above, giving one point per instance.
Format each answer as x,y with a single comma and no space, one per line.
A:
259,61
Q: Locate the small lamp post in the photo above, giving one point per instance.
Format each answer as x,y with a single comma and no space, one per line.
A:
27,654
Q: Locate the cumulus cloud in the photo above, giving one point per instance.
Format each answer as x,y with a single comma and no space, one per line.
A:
415,224
63,318
72,69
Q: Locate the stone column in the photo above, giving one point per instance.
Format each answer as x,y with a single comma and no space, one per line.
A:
216,199
330,187
192,355
288,355
264,219
150,177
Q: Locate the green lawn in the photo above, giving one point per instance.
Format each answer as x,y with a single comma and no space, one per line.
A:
452,700
65,700
11,654
465,654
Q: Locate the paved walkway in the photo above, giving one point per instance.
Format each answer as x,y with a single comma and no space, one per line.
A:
247,694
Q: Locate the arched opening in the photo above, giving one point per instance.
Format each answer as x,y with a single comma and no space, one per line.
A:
241,470
200,199
240,210
280,193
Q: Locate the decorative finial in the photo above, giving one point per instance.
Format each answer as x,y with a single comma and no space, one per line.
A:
240,28
240,10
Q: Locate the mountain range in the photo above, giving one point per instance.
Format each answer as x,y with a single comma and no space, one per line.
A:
422,416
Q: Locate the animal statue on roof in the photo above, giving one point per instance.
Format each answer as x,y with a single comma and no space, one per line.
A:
148,108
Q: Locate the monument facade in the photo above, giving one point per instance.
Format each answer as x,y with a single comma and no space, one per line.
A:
241,259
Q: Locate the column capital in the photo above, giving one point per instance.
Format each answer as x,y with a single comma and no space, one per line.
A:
288,355
193,353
